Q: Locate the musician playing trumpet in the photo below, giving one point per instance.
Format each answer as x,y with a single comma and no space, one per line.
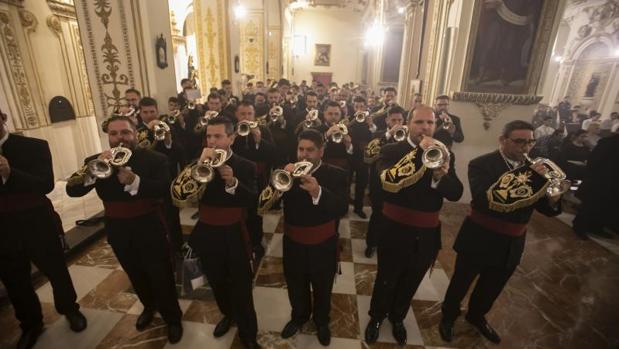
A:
414,189
132,198
313,205
448,127
339,148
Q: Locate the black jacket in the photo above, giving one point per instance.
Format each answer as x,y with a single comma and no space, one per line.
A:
443,135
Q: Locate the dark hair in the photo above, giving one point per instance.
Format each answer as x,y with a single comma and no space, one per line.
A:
359,99
130,90
547,118
331,104
245,103
516,125
185,80
213,90
222,120
273,90
120,118
283,82
441,97
173,100
311,93
260,94
213,96
148,102
226,82
313,136
390,89
395,110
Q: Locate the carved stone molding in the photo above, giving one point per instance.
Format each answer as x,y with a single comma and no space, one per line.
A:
492,104
62,9
18,3
28,20
53,22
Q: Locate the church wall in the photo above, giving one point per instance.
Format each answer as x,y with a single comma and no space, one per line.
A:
342,30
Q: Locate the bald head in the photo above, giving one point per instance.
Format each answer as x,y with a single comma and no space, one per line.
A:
421,123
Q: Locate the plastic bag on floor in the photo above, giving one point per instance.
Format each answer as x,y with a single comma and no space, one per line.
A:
193,277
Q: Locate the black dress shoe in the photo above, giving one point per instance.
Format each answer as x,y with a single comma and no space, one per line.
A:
446,330
175,332
77,321
399,332
324,335
290,329
359,212
144,319
372,331
222,327
29,337
369,252
250,344
485,329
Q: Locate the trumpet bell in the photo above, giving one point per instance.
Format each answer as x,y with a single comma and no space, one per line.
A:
99,168
281,180
361,116
160,129
244,127
203,173
559,183
120,156
435,156
400,134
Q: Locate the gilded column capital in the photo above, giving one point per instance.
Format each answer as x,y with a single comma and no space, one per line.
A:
53,22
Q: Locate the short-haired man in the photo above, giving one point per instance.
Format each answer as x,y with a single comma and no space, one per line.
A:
380,111
361,135
312,209
337,154
131,197
448,127
505,190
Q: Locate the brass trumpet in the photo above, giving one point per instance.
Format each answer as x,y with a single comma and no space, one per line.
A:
342,104
361,116
311,118
559,183
282,180
435,155
205,172
243,128
400,134
160,129
203,122
447,122
171,119
338,136
103,168
276,113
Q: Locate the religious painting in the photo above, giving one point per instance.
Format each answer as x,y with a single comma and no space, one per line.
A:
508,45
592,85
323,55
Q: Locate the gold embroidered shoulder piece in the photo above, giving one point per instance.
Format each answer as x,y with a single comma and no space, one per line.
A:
185,190
268,197
372,150
516,189
78,177
403,174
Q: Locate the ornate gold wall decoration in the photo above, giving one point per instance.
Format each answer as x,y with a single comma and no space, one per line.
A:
62,9
222,30
274,52
491,104
93,54
28,20
79,55
15,65
54,24
210,34
252,45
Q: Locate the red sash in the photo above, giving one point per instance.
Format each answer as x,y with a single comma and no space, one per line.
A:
409,216
497,225
130,209
310,235
212,215
15,202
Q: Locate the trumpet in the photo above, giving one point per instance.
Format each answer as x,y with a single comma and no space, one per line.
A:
435,155
559,183
243,128
276,113
282,180
205,171
171,119
311,118
447,122
160,129
103,168
342,104
203,122
400,134
338,135
361,116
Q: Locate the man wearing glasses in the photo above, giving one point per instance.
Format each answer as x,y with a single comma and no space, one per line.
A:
448,127
505,191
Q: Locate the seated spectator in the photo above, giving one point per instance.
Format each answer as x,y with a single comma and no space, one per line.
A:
607,124
594,116
593,135
544,129
574,154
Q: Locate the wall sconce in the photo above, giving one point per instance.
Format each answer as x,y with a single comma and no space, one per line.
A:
240,11
374,35
162,52
299,45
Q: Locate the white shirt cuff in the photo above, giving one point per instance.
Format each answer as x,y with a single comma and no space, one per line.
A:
317,199
388,135
349,149
232,189
434,183
168,146
132,188
373,128
4,179
257,146
89,180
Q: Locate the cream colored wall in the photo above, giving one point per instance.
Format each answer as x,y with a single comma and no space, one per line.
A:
340,28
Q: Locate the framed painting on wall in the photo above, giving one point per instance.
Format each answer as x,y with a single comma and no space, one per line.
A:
323,55
507,45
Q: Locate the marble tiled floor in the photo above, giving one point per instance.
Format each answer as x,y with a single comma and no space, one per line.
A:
563,295
72,209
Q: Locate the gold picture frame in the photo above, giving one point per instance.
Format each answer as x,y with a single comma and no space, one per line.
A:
322,55
525,82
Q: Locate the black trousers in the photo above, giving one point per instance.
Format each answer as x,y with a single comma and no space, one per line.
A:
362,173
32,236
489,285
142,248
254,223
225,260
173,221
375,223
404,256
310,271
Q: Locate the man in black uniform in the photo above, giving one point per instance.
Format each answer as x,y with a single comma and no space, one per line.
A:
395,121
220,237
448,127
312,208
337,154
30,234
132,197
257,147
360,134
411,235
283,136
379,112
491,239
149,113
